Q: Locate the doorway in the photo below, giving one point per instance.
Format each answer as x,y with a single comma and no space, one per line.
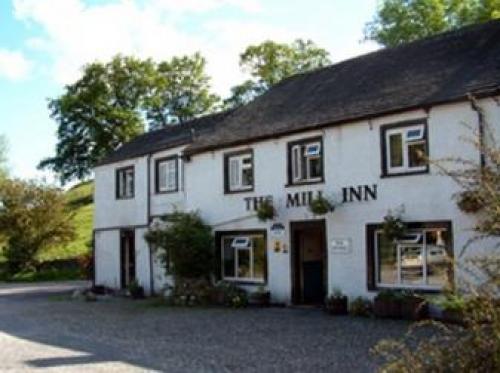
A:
308,262
127,257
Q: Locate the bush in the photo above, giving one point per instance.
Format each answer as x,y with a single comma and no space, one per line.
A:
136,290
360,307
229,294
336,304
185,245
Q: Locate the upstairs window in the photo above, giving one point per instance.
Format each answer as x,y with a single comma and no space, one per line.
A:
306,161
167,170
238,172
404,149
125,183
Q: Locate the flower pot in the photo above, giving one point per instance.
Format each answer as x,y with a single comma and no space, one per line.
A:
337,306
413,308
387,308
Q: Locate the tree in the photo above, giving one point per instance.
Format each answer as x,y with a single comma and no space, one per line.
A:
181,92
269,63
106,107
33,217
402,21
3,157
97,114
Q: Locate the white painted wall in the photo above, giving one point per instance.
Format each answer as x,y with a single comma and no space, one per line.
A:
107,258
352,157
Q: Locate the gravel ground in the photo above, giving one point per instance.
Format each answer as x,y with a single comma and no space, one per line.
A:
41,330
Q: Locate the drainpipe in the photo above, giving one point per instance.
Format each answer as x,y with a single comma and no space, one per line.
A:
480,116
148,221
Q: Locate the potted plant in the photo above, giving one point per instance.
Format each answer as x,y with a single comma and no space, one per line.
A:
393,227
387,303
261,297
266,210
135,290
413,306
469,201
360,307
336,304
453,306
320,205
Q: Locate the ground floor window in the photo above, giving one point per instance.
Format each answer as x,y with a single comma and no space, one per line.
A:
243,255
422,259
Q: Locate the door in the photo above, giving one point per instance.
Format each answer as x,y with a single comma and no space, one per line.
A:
309,273
127,257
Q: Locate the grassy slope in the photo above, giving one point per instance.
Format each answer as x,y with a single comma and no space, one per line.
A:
81,204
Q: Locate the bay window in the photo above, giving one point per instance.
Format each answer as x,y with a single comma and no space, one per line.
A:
243,256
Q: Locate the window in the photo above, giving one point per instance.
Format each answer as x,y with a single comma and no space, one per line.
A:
404,149
420,260
238,172
306,161
125,183
167,175
243,256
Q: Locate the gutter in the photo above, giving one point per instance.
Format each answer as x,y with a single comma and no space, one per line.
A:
480,122
148,221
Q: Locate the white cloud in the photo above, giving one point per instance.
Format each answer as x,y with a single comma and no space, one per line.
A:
13,65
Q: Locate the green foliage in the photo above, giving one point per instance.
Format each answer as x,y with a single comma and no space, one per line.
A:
452,302
4,171
106,107
232,295
269,63
393,226
321,206
266,210
185,245
79,200
180,92
388,294
402,21
33,218
135,289
360,307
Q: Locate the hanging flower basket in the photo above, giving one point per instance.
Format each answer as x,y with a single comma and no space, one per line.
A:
266,211
321,206
393,227
469,201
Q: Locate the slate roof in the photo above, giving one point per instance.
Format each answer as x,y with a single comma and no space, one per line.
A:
165,138
436,70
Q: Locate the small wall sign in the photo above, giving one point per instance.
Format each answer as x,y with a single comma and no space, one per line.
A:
340,246
277,229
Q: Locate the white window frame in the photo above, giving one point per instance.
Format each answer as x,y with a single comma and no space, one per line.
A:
400,245
237,249
235,182
171,164
125,177
298,156
406,143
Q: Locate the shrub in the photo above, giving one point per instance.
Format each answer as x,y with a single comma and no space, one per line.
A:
185,245
360,307
231,295
336,303
135,289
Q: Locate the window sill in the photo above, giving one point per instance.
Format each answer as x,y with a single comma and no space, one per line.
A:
166,191
245,282
312,182
417,289
405,173
124,198
250,190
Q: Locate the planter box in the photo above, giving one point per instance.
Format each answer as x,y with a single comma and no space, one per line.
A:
387,308
337,306
413,308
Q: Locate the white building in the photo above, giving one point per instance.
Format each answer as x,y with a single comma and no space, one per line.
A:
352,132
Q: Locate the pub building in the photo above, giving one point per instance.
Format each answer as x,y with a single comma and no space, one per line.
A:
358,133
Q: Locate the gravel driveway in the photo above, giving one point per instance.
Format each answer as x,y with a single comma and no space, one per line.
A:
41,330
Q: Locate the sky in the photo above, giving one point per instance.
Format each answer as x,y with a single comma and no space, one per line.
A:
45,43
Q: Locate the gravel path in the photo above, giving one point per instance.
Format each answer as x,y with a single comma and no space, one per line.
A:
41,330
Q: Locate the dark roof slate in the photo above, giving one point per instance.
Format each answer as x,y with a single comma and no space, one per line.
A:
439,69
